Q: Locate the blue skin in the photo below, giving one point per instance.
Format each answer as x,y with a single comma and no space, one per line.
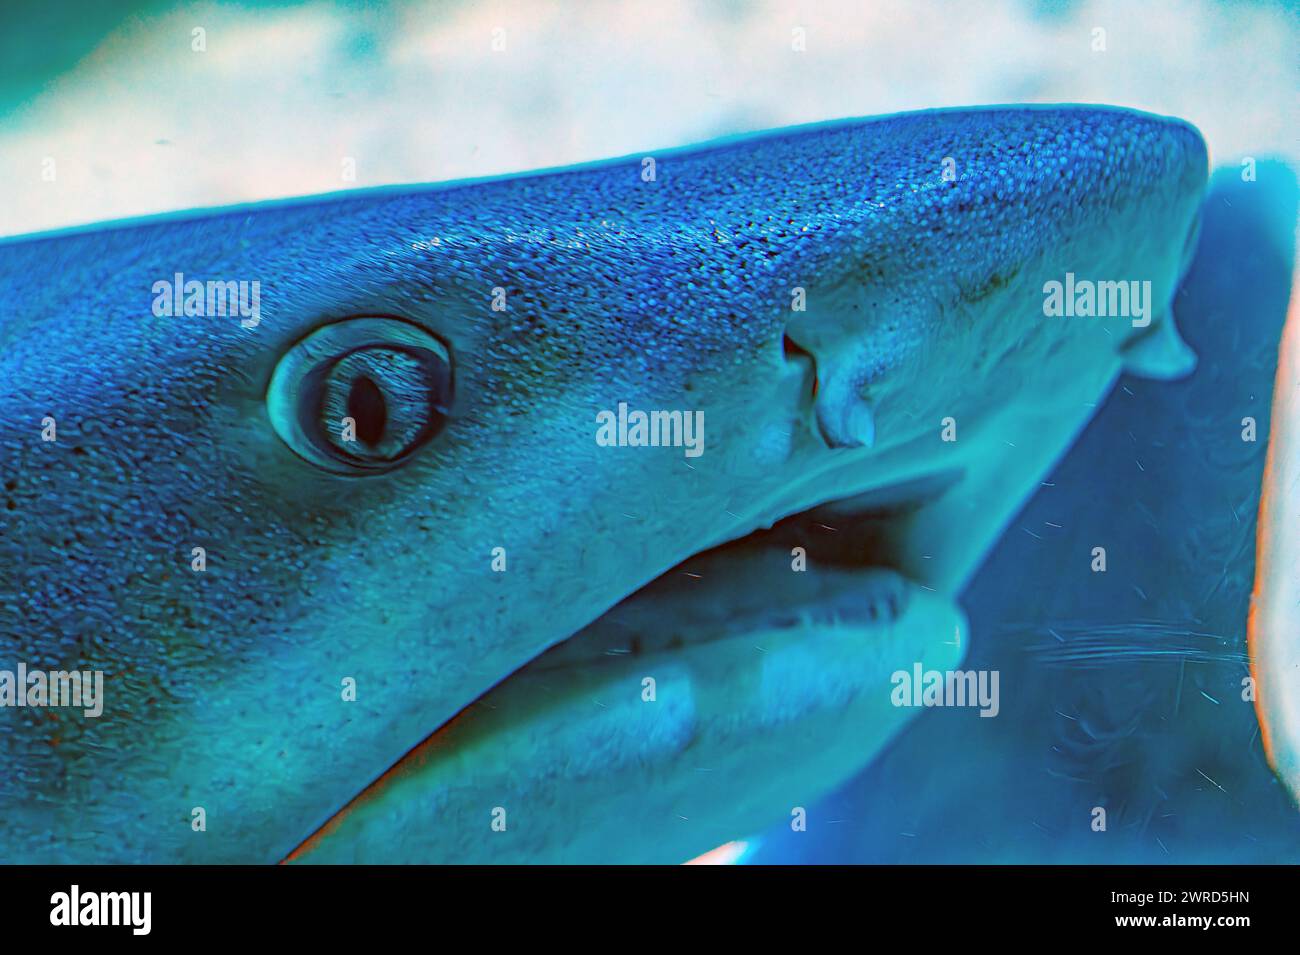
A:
329,561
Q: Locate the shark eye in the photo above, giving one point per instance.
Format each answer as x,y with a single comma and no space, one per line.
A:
359,396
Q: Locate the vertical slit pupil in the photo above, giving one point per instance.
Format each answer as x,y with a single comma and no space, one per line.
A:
367,408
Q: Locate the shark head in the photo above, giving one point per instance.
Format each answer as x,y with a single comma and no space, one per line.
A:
301,524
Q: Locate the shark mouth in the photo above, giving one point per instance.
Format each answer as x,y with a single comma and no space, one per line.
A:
838,564
749,651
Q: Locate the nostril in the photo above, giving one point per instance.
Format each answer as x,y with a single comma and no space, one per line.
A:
793,352
844,414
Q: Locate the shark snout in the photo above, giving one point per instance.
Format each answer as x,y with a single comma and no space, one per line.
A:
942,273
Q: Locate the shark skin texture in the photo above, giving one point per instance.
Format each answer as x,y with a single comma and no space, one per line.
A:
331,564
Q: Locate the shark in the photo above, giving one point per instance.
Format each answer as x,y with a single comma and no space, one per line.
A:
316,484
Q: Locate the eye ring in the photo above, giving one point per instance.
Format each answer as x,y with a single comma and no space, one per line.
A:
361,395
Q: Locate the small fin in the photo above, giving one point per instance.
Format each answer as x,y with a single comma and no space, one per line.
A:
1160,353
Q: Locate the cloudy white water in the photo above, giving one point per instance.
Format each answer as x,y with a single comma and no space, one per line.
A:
288,101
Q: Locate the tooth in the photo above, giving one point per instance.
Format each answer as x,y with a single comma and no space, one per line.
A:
1161,354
